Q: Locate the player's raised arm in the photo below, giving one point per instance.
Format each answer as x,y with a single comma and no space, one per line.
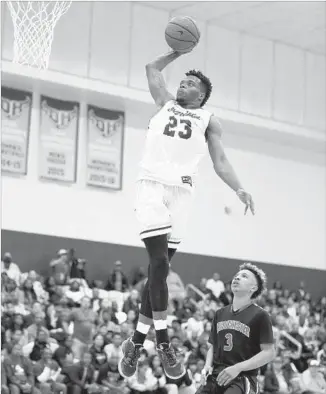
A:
222,166
155,78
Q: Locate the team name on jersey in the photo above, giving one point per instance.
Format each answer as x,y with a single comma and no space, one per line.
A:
186,113
233,325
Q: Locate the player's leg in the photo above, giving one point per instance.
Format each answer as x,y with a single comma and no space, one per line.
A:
243,385
154,220
145,318
180,202
210,387
157,248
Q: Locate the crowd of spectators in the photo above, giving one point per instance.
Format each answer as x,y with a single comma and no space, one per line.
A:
63,333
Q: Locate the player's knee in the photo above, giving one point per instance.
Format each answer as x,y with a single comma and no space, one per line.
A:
159,266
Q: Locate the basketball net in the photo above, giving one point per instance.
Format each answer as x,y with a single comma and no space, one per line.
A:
34,23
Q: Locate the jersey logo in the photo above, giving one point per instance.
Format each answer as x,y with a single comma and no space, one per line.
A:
185,113
187,179
233,325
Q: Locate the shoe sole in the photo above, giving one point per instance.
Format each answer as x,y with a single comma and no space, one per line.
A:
121,373
175,377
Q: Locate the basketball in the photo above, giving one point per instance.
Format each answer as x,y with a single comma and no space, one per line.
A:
182,34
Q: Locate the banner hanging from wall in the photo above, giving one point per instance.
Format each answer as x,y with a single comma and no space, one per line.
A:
16,106
58,139
105,147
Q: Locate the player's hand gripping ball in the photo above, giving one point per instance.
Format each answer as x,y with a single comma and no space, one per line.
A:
182,34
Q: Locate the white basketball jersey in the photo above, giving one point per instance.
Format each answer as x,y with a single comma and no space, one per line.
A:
175,144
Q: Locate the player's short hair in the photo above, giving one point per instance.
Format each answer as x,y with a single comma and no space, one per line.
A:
259,275
205,80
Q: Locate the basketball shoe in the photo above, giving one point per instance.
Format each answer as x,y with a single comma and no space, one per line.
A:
128,364
173,368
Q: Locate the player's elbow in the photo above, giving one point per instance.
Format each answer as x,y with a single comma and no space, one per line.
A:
220,167
270,353
149,67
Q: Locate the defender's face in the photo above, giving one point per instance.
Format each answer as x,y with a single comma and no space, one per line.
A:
189,90
244,282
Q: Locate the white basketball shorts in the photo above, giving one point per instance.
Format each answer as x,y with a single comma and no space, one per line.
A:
162,209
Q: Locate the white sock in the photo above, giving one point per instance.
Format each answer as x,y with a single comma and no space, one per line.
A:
143,328
160,325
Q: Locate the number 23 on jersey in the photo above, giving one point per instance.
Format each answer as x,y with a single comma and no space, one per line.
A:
185,128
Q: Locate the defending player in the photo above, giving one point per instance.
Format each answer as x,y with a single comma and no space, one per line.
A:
241,339
176,141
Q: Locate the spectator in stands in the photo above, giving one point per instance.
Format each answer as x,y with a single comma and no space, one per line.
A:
17,337
178,331
77,266
321,356
300,361
301,292
177,290
195,325
114,349
106,319
60,268
19,372
46,372
132,302
75,293
11,293
79,377
34,349
84,319
138,276
117,276
144,381
99,357
215,285
28,293
50,287
313,379
63,353
202,287
4,383
275,381
16,322
10,268
110,380
226,296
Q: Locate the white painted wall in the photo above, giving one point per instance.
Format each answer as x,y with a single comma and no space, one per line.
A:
289,227
111,41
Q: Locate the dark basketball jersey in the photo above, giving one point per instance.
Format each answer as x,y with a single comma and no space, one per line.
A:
237,336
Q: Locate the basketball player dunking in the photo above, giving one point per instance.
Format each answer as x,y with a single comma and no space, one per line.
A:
241,339
176,141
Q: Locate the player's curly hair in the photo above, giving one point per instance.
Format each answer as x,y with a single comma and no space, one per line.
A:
260,277
205,80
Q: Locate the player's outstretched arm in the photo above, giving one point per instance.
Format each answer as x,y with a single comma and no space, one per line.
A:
222,166
156,83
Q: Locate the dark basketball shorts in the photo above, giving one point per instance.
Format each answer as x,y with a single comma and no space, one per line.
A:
240,385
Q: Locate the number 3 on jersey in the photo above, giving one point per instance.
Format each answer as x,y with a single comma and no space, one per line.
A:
169,129
228,342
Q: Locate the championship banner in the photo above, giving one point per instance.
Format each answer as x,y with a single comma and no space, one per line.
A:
105,147
58,139
16,108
